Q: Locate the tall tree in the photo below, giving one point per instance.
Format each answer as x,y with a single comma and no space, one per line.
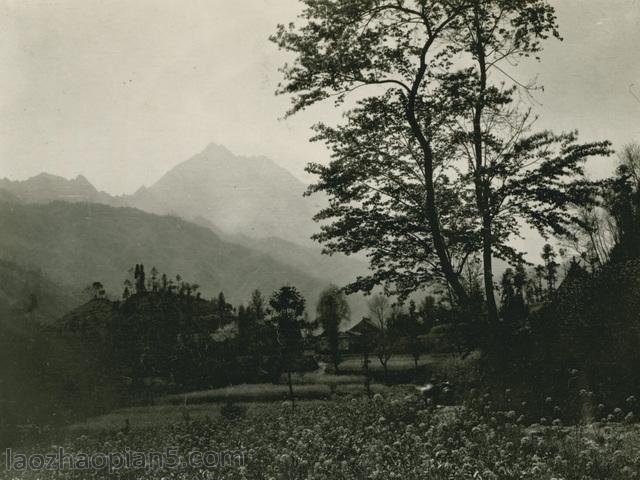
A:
595,237
550,268
154,279
513,305
414,327
427,313
140,278
539,279
365,343
624,204
437,164
514,175
251,321
332,311
257,305
261,343
224,310
380,311
506,289
246,326
520,280
126,293
386,158
287,310
96,290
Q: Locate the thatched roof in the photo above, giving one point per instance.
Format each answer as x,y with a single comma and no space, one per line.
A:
363,327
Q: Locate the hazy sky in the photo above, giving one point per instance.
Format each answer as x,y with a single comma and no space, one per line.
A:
122,90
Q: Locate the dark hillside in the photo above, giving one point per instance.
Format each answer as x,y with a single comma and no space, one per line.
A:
28,295
79,243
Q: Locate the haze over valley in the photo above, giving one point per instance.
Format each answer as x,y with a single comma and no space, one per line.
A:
228,223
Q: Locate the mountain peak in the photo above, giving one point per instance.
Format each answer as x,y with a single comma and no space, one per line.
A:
46,187
82,180
70,185
45,176
214,148
215,153
251,195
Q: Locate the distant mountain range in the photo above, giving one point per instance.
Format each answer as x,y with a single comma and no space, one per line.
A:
44,188
79,243
251,208
250,196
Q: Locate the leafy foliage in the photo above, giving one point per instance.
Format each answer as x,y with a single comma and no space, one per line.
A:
287,309
332,310
438,163
624,205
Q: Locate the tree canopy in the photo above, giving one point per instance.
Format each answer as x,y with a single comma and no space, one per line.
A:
333,310
436,161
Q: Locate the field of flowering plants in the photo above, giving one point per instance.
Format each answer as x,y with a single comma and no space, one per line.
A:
393,436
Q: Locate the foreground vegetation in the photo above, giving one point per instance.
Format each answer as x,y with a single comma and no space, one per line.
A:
395,436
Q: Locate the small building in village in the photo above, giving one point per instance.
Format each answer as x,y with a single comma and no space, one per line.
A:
350,340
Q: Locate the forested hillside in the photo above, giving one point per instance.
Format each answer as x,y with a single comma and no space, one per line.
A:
27,295
79,243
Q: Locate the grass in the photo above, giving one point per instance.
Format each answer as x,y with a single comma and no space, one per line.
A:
156,416
145,417
441,365
266,392
309,388
261,392
321,386
321,378
336,432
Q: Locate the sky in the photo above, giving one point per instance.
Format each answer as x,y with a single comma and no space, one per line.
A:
121,91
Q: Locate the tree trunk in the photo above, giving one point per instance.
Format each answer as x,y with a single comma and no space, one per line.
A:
367,377
487,260
385,370
482,186
335,354
432,213
293,405
439,243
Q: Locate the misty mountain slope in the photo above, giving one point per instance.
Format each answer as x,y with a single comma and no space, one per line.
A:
27,294
247,195
44,188
249,201
78,243
251,197
6,196
339,269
